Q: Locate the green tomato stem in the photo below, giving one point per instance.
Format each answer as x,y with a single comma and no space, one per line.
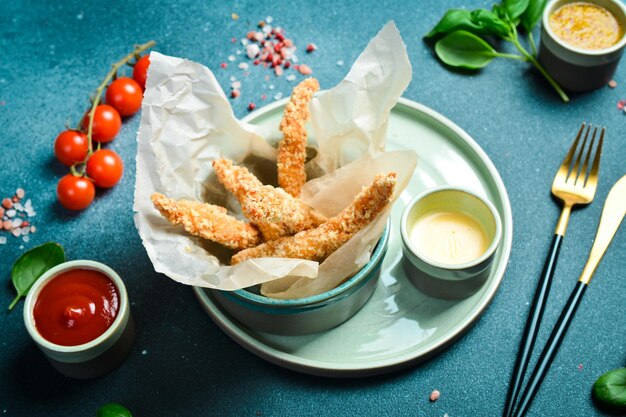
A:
110,76
541,69
14,302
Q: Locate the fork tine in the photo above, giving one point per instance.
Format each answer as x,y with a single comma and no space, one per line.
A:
592,179
564,168
575,172
584,174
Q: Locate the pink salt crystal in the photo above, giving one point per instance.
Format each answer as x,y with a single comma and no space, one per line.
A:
278,71
7,203
305,69
1,211
434,396
612,83
7,224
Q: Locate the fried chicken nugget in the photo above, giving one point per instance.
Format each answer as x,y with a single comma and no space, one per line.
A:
317,244
292,149
208,221
272,210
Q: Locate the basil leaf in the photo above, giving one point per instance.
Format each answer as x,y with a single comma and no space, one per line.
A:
464,50
515,8
113,410
532,14
610,389
480,22
490,23
32,264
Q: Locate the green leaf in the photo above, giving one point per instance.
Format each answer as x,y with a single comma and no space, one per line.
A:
464,50
533,13
33,264
480,22
490,23
113,410
610,389
515,8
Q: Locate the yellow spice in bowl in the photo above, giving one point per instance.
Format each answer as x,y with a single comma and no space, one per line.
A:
586,25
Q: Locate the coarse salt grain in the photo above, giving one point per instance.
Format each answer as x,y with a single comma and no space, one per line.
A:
16,232
3,240
232,58
612,83
20,193
291,77
305,70
11,213
252,50
434,396
243,66
340,63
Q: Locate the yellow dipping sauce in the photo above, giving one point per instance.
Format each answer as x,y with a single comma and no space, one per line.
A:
449,237
586,25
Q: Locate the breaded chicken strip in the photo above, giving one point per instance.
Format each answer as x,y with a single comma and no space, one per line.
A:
208,221
272,210
317,244
292,149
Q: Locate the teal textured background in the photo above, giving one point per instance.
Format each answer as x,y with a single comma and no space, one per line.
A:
53,54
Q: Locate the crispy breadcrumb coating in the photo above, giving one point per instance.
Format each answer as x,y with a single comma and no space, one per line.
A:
317,244
292,149
272,210
208,221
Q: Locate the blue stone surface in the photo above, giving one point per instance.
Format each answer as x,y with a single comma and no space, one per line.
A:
54,54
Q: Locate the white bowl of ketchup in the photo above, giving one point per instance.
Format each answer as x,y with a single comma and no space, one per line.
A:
78,314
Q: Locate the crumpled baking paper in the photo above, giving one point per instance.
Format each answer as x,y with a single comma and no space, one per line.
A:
187,122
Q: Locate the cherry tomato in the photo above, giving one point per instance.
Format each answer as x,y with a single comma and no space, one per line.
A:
105,168
106,123
71,146
140,71
75,193
125,95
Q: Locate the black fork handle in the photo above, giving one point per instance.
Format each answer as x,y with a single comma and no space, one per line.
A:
551,348
532,325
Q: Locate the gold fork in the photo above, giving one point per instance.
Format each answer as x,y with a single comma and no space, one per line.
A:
575,183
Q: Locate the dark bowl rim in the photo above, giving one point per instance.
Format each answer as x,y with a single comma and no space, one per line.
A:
247,297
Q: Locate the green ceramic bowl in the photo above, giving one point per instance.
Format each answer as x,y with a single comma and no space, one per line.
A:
310,314
94,358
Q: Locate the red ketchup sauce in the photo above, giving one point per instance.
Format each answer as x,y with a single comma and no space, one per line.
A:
76,307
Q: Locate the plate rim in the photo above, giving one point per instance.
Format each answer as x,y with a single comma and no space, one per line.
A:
405,360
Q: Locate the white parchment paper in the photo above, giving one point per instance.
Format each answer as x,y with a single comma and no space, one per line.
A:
187,122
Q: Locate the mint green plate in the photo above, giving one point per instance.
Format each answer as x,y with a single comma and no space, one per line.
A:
399,326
